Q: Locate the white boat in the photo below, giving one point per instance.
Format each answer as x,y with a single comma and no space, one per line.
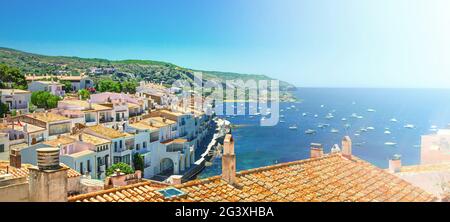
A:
354,115
293,106
360,117
281,116
293,127
433,127
371,110
323,125
390,144
310,131
322,106
394,120
363,129
282,121
344,119
304,114
370,128
409,126
334,130
281,110
356,134
329,116
315,116
387,132
288,108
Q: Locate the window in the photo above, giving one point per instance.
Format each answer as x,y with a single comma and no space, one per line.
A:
115,147
121,144
81,168
88,165
2,148
126,159
117,159
144,145
137,146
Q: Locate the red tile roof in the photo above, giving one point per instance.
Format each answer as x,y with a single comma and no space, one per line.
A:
330,178
23,171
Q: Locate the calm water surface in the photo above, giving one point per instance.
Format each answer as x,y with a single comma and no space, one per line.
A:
258,146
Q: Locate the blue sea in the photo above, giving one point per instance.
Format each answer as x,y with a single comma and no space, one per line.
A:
258,146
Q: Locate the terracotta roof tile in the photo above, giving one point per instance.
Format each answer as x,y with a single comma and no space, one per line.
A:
329,178
23,171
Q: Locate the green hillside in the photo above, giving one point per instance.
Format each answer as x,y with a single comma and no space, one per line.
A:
154,71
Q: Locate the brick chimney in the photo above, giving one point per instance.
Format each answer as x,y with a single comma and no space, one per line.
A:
395,163
316,150
15,159
347,147
229,160
48,181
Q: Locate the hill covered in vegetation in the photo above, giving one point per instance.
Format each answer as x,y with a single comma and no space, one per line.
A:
119,70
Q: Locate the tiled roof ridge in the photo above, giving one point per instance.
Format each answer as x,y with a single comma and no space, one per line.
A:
114,189
258,170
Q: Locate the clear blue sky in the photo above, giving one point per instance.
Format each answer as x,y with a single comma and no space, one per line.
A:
335,43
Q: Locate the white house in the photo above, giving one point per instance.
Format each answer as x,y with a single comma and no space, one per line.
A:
54,88
16,99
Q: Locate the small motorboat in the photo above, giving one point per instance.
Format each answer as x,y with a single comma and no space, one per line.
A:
360,117
390,144
304,114
371,110
310,131
315,116
344,119
321,106
409,126
394,120
357,134
293,127
387,132
354,115
334,131
329,116
282,121
370,128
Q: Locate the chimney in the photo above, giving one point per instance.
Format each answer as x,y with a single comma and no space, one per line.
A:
176,179
117,179
347,147
48,181
229,160
25,127
395,163
15,159
316,150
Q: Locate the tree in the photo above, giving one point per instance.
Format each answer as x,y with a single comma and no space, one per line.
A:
124,168
84,94
43,99
138,162
3,109
67,85
108,85
13,76
129,86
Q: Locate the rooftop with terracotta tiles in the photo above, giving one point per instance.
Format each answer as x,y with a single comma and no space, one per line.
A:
47,117
23,170
331,178
107,132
